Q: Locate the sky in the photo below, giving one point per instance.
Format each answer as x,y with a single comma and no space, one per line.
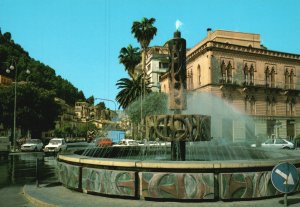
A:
81,39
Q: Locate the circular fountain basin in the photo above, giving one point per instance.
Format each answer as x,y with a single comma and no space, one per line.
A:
175,180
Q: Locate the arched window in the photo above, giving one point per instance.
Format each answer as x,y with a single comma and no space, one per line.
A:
223,72
273,106
246,74
268,106
246,103
292,86
192,84
188,80
251,74
267,75
290,106
230,98
229,73
199,74
286,79
252,105
273,77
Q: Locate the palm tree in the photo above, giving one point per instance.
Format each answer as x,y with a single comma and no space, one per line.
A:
131,90
144,32
130,57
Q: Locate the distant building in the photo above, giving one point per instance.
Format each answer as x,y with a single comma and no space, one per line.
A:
67,115
156,65
82,111
66,118
5,80
262,83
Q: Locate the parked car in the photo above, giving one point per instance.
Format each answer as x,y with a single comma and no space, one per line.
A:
150,143
32,145
56,145
277,143
127,142
103,142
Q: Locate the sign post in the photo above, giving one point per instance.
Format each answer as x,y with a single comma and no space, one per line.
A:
285,177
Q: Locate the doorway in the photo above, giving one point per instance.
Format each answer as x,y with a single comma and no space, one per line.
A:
270,127
290,128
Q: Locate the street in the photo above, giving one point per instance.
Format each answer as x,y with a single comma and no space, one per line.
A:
19,170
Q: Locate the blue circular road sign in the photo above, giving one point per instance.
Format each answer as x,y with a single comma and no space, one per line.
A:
285,177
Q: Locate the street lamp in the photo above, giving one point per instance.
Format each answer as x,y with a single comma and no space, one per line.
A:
13,67
104,99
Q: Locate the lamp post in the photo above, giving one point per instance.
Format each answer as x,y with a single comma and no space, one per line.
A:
13,67
104,99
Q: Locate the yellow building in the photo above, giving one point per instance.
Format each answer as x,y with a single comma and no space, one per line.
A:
262,83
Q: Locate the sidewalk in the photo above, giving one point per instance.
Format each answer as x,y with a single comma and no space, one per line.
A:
53,195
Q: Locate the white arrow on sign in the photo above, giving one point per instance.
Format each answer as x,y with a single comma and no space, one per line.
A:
288,178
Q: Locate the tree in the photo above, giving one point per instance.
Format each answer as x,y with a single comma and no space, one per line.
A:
36,108
144,31
101,105
131,90
7,36
130,57
42,75
6,106
91,100
153,104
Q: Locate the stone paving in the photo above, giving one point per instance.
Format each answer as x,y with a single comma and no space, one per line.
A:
54,194
12,196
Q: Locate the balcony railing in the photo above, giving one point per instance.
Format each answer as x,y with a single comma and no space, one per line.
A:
260,83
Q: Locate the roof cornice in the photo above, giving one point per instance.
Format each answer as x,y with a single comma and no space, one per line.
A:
219,46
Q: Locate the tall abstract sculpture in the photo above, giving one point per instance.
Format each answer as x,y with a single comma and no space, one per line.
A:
178,128
177,74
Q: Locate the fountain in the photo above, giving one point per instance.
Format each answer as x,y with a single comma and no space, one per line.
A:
194,167
178,128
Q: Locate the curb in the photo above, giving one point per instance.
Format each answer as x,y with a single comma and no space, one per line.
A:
36,202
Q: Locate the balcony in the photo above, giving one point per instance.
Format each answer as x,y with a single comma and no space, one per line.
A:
229,84
260,84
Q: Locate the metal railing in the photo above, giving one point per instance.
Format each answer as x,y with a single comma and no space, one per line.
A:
261,83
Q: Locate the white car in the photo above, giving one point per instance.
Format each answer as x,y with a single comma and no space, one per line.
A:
277,143
56,145
32,145
127,142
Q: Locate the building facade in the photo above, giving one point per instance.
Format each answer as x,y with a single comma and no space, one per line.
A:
82,111
258,82
156,65
67,115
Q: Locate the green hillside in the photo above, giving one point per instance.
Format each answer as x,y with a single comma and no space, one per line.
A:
36,109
